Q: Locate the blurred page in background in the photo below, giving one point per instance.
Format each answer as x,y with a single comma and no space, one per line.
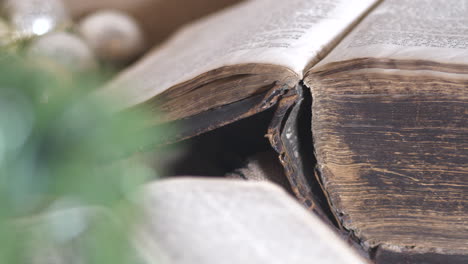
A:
214,221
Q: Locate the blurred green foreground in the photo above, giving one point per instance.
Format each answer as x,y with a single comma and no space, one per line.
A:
67,187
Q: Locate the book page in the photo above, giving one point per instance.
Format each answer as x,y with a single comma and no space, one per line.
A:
286,33
216,221
435,30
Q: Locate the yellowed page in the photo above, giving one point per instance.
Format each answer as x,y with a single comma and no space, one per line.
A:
287,33
435,30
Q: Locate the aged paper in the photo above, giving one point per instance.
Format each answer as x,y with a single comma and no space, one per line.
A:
435,30
287,33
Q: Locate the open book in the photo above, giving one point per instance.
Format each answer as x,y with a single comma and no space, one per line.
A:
257,48
389,84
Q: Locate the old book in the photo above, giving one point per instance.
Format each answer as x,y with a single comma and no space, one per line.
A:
236,64
215,221
251,54
388,81
390,126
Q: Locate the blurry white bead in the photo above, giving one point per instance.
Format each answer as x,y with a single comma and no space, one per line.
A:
36,17
113,35
65,49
